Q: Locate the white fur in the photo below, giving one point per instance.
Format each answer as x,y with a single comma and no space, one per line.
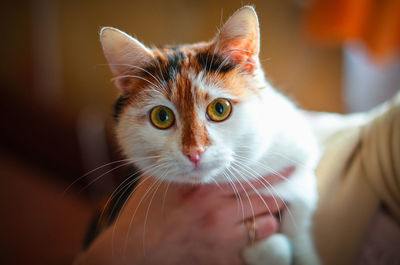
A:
268,133
276,250
267,130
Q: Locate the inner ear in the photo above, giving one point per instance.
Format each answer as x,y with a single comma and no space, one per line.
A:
125,55
239,38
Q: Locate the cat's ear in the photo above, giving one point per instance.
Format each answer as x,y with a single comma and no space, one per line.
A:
239,38
124,54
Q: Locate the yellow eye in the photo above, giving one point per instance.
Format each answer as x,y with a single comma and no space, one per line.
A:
219,109
162,117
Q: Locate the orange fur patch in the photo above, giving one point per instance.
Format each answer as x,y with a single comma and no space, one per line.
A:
170,76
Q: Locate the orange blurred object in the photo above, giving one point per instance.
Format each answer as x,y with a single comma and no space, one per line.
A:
374,22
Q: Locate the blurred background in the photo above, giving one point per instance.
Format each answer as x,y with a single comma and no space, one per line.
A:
56,95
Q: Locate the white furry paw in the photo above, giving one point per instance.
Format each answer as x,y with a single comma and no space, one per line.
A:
306,256
275,250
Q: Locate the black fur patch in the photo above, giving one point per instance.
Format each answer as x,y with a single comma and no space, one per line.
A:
215,62
118,106
165,71
173,66
174,48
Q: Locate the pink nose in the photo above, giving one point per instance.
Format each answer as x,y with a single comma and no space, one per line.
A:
194,154
195,158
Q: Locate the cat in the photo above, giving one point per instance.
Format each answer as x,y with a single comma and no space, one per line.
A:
205,113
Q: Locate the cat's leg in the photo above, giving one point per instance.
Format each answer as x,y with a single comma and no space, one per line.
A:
275,250
294,245
296,225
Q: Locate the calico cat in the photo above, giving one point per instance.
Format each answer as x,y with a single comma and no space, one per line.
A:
205,113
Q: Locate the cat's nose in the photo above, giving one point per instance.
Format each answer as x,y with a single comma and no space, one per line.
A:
194,154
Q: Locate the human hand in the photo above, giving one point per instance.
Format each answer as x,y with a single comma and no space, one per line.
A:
184,224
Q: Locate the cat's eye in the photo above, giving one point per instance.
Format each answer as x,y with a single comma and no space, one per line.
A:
162,117
219,109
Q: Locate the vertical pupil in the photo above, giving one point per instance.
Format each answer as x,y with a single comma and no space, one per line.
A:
219,108
163,115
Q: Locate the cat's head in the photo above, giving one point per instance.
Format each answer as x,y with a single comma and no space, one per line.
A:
185,111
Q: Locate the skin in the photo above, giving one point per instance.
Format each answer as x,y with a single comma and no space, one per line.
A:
188,224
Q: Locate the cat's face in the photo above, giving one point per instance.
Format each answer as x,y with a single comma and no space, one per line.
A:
186,112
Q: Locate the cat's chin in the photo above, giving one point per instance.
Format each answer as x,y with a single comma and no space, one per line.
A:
197,176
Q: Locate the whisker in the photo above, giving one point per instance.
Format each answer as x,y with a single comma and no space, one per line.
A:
273,189
164,197
91,171
140,202
140,68
265,167
224,62
241,62
215,50
272,152
258,178
243,50
130,162
135,76
123,206
121,188
130,195
254,189
245,192
298,163
160,180
161,73
134,213
99,177
124,185
237,194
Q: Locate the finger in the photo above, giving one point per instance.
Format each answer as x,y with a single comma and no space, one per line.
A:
239,209
264,225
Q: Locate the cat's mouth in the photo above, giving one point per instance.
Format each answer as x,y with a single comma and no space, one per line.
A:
203,173
206,170
196,179
198,172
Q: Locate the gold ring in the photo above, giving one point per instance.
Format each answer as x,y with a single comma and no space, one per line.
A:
251,230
